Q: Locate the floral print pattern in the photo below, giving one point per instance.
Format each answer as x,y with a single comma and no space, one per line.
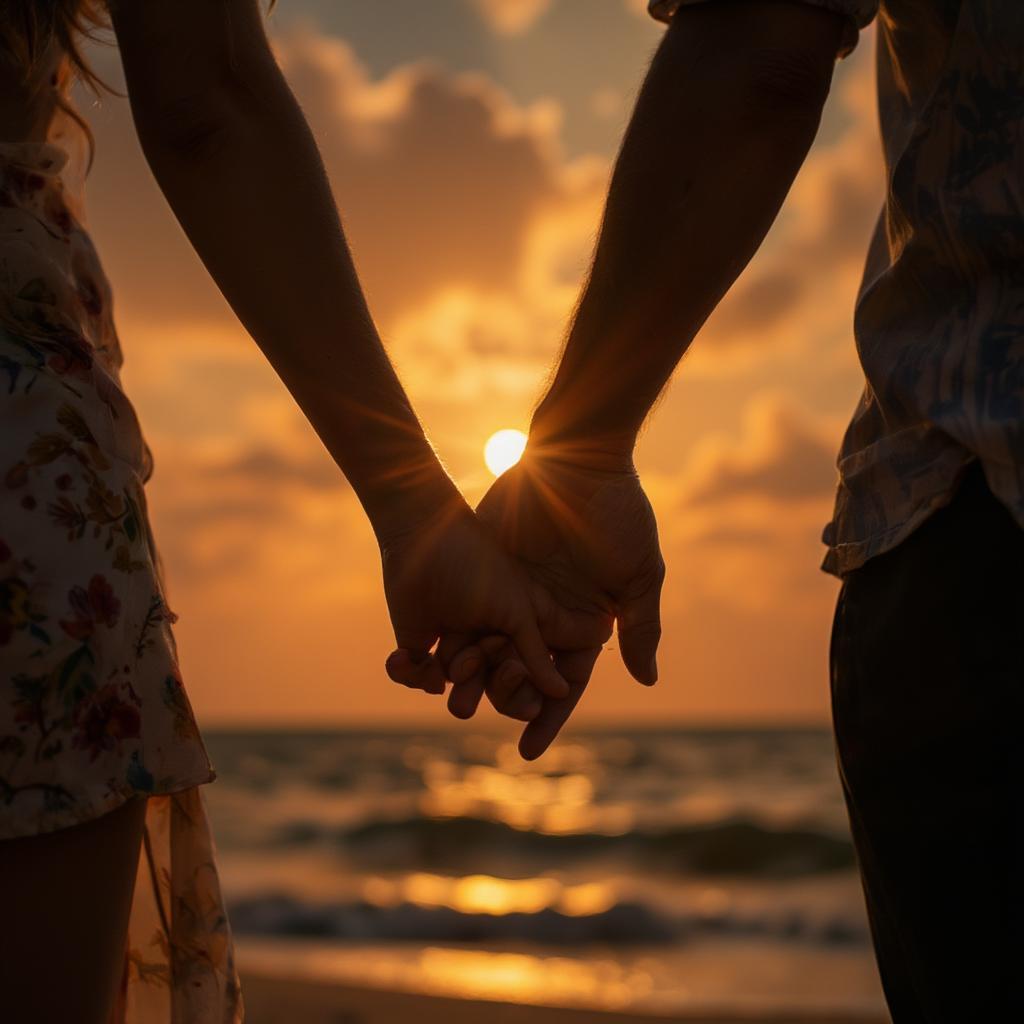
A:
179,941
92,707
940,314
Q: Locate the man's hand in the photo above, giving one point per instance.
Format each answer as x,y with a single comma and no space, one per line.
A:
732,87
586,533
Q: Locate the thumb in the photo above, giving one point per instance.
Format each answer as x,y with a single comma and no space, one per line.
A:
416,640
639,622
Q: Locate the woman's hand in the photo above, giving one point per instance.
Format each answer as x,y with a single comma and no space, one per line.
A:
448,574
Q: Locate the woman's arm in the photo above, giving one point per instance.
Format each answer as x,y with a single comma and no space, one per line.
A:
234,156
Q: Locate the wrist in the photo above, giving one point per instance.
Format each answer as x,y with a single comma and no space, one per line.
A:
556,437
405,500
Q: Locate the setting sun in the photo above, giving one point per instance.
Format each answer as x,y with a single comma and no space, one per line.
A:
503,450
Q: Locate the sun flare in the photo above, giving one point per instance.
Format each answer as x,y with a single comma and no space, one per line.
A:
503,450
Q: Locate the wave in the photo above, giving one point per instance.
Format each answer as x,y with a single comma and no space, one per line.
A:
738,847
626,923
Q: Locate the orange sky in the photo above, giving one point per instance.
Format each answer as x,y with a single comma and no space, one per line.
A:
470,179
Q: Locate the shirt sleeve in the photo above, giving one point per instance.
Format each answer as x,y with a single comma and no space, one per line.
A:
858,14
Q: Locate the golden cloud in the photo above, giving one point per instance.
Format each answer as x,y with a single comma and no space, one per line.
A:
782,455
511,17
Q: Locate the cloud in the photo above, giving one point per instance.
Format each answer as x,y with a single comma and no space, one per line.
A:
259,466
759,304
607,102
246,513
782,456
438,178
741,523
471,230
511,17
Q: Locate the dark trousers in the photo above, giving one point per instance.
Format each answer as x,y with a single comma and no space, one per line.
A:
927,669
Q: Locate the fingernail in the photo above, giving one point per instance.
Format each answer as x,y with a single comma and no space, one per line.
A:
652,671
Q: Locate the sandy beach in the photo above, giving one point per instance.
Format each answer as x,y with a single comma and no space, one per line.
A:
273,1000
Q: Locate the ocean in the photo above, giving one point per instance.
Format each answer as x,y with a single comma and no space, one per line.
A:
668,869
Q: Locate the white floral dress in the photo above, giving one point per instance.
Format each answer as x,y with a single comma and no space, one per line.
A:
92,707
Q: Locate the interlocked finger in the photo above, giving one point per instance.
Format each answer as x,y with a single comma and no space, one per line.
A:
508,684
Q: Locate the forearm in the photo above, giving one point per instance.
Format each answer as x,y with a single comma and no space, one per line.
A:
249,189
715,141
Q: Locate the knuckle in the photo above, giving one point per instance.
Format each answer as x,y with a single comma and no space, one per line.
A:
648,629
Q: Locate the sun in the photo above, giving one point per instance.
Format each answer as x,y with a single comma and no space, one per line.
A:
503,450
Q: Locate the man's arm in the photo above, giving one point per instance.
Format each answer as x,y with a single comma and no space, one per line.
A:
724,120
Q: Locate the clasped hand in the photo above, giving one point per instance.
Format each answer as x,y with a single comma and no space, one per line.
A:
521,597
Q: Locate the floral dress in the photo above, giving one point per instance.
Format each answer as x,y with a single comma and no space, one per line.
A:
92,707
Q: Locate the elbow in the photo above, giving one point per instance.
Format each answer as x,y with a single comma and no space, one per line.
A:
785,88
194,121
187,131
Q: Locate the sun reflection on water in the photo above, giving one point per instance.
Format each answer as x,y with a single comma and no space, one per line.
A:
556,798
486,894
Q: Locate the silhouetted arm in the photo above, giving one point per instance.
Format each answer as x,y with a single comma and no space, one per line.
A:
723,122
235,159
232,152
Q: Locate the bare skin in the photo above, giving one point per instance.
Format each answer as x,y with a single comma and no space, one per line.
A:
66,897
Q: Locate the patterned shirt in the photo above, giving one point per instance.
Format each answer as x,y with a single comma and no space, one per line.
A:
939,319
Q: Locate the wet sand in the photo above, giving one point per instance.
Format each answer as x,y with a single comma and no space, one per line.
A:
273,1000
